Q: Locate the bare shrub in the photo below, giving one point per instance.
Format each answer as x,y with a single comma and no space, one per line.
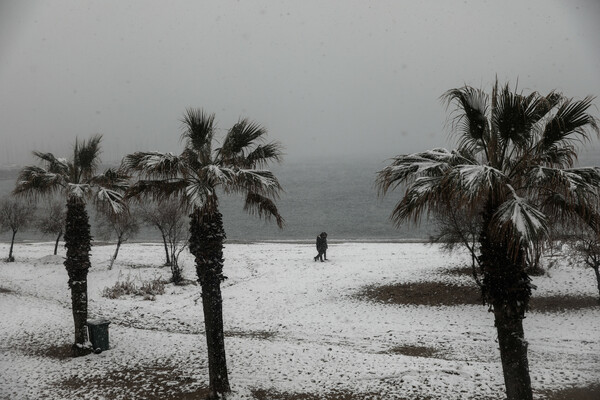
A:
148,289
15,215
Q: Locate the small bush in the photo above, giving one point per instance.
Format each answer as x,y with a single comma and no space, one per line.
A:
147,289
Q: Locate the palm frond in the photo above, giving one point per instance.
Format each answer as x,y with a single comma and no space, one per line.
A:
33,181
520,221
53,164
201,195
470,120
574,209
263,207
198,130
562,157
153,164
574,179
474,181
195,161
262,155
407,168
110,200
112,179
215,175
240,138
262,182
571,123
516,114
158,190
79,190
422,195
87,156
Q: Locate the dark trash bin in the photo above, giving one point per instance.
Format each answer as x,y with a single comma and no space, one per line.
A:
98,334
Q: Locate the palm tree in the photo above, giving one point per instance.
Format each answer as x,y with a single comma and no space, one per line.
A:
514,167
194,177
77,181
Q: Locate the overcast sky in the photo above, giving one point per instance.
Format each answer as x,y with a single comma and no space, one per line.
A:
344,78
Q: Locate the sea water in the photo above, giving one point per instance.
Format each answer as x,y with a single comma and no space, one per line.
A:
338,197
334,196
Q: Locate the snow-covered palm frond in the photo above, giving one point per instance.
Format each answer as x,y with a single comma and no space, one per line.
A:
33,181
406,168
112,179
53,164
473,180
216,175
80,190
264,207
586,179
520,221
111,200
200,195
155,164
262,182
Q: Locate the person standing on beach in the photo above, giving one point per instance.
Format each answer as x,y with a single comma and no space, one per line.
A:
321,246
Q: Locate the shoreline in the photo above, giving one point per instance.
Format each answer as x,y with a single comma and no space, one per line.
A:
238,241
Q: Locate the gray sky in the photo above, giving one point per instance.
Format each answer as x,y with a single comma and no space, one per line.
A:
327,78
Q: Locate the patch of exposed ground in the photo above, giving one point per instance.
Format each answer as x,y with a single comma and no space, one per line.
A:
260,394
151,383
58,352
264,335
413,351
562,303
5,290
591,392
460,271
422,293
444,294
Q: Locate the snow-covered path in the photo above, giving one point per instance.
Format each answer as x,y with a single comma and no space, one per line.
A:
293,325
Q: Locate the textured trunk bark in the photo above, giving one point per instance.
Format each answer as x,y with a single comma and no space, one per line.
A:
56,244
506,287
206,244
513,353
77,263
10,252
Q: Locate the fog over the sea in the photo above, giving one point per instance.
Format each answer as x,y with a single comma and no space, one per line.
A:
329,79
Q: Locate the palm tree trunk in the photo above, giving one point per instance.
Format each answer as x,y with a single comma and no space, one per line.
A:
77,263
56,244
513,353
10,252
206,244
507,289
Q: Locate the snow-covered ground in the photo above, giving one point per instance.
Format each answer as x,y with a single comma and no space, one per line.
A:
292,326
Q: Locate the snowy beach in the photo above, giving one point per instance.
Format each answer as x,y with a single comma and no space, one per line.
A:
295,328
